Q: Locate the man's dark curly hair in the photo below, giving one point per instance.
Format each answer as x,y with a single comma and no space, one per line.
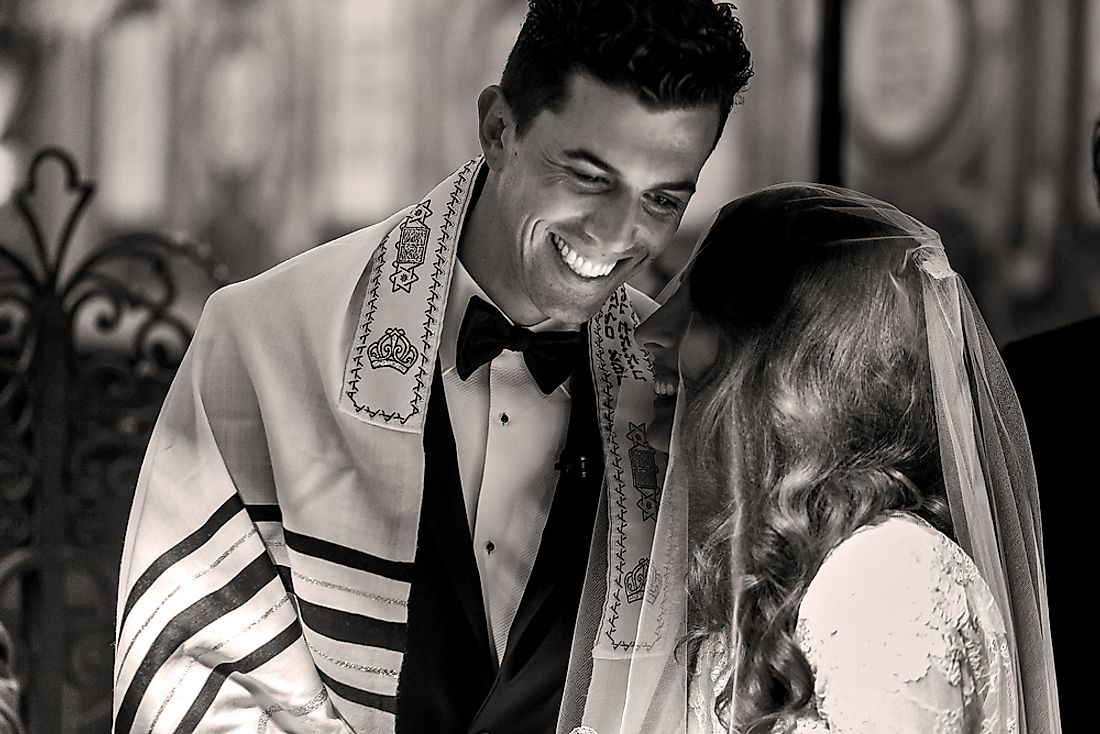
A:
670,53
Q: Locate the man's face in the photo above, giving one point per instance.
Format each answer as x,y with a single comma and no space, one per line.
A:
588,195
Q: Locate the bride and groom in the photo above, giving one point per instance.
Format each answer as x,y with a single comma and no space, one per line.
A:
374,502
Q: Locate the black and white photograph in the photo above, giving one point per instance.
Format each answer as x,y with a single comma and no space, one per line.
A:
548,366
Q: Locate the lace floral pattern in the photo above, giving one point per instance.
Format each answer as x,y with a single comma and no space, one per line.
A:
902,635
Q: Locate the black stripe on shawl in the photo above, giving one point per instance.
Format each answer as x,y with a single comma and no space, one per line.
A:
180,550
265,513
221,671
344,556
358,629
184,625
376,701
285,575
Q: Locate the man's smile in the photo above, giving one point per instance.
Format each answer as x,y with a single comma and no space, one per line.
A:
579,264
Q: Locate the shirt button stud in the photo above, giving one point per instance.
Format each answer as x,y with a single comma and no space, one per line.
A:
490,547
504,419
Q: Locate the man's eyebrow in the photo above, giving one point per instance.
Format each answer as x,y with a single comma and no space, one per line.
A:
687,187
589,157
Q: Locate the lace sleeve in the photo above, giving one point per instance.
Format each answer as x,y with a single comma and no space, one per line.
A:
892,637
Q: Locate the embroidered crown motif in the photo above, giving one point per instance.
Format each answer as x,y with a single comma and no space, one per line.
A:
393,349
635,581
412,247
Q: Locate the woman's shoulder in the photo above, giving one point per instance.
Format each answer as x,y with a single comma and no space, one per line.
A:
897,569
898,538
893,601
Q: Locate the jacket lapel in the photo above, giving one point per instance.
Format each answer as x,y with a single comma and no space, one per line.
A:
444,512
565,539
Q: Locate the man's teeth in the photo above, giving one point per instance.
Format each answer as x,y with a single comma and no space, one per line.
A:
579,264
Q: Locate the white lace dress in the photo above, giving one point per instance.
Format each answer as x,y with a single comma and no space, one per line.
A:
902,635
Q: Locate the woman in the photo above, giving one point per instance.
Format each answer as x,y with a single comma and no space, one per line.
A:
865,525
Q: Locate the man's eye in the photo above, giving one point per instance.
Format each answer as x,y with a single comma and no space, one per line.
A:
589,179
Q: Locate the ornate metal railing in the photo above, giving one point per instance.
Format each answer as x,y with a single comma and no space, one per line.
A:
88,348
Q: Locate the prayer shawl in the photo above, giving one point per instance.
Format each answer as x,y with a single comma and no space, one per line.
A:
269,553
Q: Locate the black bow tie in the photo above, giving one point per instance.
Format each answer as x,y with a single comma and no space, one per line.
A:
550,356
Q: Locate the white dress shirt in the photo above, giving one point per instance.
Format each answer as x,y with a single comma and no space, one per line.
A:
508,435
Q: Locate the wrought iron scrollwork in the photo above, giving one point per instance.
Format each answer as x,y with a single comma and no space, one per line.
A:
88,348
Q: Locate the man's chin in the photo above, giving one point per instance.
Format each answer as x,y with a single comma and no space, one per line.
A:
574,312
576,305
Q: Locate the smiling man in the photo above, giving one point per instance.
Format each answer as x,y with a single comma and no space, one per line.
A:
582,198
392,469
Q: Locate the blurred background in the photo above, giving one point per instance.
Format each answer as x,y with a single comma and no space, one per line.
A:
223,136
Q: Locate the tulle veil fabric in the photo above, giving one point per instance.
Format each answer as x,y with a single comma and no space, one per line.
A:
988,469
991,488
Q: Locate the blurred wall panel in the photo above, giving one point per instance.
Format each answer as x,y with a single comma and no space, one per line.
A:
133,117
932,123
472,39
366,109
1085,124
778,118
235,153
965,113
1086,118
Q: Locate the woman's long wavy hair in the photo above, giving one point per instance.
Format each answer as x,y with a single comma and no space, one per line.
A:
819,421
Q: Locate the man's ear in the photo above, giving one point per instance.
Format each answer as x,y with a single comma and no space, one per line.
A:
495,125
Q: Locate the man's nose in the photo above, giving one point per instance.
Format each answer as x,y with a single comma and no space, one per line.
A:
614,222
